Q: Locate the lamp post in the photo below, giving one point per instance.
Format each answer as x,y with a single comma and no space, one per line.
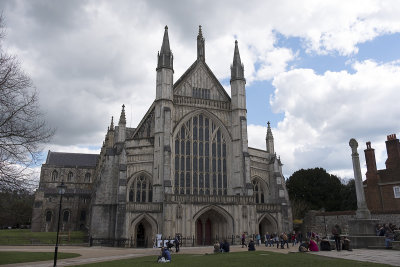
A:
61,191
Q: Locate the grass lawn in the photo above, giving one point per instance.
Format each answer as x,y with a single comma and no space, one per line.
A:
256,258
9,257
26,237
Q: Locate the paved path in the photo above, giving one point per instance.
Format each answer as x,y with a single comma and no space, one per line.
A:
391,257
99,254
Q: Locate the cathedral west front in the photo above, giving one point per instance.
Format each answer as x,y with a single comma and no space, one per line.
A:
186,169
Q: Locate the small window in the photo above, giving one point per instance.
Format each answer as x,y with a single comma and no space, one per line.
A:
48,216
87,177
70,176
54,175
66,216
396,191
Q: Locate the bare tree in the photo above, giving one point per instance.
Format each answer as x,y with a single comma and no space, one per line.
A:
22,127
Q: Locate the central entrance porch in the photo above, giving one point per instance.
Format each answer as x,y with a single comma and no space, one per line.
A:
212,225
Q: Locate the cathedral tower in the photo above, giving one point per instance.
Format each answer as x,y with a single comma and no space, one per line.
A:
163,121
241,172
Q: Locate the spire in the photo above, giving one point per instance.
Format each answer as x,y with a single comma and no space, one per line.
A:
270,140
269,131
165,57
237,69
165,45
112,124
201,55
122,119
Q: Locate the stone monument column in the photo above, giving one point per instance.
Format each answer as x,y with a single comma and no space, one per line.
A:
362,210
362,228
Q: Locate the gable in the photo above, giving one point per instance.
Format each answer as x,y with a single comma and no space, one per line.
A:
199,82
145,128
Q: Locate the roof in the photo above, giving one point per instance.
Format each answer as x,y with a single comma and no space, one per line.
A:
191,69
71,159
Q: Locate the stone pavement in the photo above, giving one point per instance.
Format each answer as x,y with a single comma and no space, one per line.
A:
391,257
99,254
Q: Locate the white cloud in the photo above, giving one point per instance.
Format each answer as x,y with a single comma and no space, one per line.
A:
322,113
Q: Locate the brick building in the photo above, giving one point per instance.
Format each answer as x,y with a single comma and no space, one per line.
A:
382,187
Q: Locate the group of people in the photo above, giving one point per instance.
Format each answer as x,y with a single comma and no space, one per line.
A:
283,239
221,247
386,230
315,243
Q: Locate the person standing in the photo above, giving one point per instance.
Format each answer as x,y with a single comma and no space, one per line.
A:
293,238
258,238
267,239
336,232
244,240
300,237
176,243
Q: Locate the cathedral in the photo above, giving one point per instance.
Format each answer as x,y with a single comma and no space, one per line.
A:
186,169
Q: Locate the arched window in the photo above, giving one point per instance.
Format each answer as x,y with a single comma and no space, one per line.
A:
48,216
87,178
66,216
258,191
70,176
141,190
200,158
54,175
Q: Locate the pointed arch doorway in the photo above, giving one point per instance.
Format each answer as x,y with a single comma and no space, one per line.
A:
267,224
143,233
211,226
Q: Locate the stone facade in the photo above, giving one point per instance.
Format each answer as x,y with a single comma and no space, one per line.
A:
382,187
186,168
77,172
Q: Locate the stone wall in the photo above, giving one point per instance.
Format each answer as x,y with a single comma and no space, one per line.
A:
315,221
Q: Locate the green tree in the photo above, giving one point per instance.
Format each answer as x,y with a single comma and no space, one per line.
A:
314,189
15,207
349,197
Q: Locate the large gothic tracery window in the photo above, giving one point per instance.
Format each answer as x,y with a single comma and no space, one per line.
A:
200,158
141,190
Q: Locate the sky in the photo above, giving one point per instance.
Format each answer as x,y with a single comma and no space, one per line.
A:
322,72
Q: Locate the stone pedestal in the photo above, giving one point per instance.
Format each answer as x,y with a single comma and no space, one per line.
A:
362,234
367,242
363,227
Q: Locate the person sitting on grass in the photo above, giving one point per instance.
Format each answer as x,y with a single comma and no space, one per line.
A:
304,247
165,255
217,247
313,245
251,245
225,246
